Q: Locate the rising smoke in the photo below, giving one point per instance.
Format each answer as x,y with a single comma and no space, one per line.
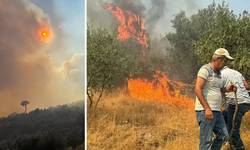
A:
157,13
26,71
134,6
49,8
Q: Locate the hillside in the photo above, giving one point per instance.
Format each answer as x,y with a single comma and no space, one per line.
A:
54,128
122,122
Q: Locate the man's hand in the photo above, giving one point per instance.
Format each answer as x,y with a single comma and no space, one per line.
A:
209,114
231,88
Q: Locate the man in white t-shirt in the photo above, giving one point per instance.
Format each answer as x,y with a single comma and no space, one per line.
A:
230,75
208,88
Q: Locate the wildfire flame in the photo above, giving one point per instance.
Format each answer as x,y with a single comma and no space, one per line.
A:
132,26
161,88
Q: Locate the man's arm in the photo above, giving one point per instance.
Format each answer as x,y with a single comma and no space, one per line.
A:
230,88
246,85
200,82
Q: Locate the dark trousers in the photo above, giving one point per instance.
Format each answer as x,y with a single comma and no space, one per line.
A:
228,113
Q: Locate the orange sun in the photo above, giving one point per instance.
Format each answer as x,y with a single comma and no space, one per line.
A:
44,35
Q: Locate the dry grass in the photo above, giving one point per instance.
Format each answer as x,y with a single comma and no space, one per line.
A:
121,122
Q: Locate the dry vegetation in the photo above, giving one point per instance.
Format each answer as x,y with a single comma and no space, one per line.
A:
121,122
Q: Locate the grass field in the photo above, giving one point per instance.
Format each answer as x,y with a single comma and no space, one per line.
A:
124,123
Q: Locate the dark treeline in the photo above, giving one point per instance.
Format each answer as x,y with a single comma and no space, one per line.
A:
56,128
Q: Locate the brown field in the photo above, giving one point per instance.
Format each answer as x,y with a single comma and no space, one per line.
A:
124,123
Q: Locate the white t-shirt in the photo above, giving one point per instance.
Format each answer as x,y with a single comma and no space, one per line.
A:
230,75
211,89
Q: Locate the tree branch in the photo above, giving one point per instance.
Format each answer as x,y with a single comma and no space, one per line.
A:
100,94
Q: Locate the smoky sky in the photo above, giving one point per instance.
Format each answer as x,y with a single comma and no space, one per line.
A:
134,6
156,13
26,71
49,8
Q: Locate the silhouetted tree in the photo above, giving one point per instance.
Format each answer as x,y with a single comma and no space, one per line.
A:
25,103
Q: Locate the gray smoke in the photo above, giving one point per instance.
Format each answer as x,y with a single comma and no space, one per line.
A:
135,6
26,72
157,13
96,14
48,7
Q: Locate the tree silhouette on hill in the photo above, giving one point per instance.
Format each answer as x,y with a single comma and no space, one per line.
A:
25,103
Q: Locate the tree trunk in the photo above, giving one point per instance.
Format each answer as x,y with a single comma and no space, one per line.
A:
25,108
90,99
100,95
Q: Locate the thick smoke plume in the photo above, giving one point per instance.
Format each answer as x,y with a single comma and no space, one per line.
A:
157,13
134,6
57,46
26,71
49,8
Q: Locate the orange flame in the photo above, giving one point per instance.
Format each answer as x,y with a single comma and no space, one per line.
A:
161,88
131,25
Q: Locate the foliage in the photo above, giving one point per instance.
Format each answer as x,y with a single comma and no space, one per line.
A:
108,64
50,129
196,38
25,103
182,56
222,28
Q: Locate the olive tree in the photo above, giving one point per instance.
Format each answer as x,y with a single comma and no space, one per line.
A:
222,28
108,63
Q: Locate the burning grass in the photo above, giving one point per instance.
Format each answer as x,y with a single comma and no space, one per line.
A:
122,122
161,88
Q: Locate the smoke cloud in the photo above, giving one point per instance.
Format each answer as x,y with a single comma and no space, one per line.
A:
157,13
56,20
57,45
134,6
26,71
